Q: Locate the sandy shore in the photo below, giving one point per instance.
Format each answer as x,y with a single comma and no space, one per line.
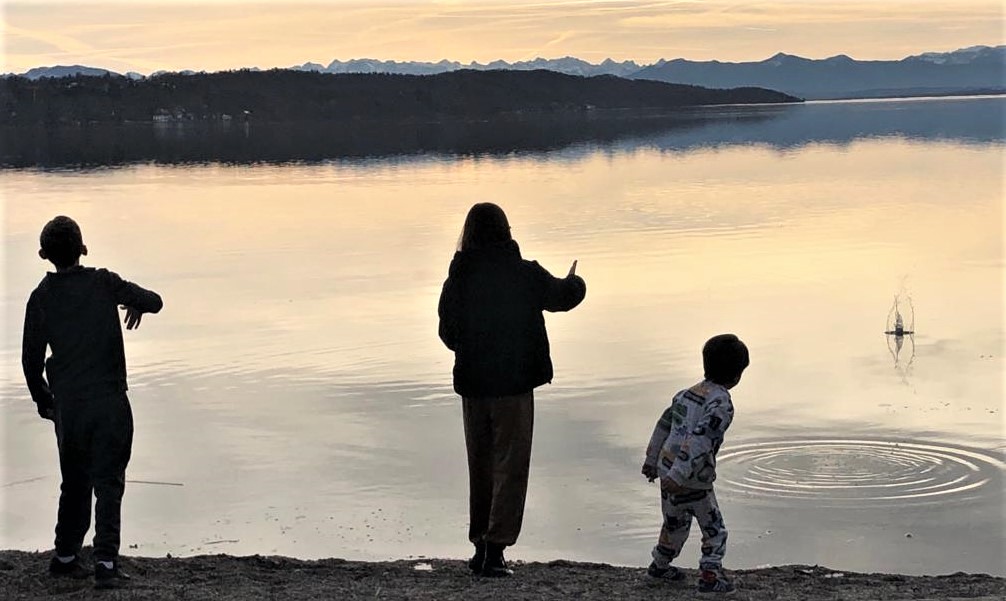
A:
23,575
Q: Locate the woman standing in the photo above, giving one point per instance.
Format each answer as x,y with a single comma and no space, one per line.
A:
491,317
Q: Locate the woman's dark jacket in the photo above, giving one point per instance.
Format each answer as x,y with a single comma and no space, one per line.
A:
491,317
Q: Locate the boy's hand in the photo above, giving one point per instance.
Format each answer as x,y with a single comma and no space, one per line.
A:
671,487
650,471
572,269
133,317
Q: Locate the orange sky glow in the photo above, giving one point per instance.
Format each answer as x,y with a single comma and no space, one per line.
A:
223,34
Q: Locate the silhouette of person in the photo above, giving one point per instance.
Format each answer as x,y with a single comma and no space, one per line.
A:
491,317
73,313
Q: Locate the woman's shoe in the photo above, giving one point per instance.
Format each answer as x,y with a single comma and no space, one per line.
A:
479,559
495,565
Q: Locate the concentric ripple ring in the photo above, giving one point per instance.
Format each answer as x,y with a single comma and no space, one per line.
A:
839,471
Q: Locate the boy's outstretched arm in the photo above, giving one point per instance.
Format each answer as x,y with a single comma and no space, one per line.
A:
33,358
134,299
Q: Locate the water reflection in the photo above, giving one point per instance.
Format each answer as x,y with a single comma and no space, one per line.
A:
295,387
313,142
777,126
983,121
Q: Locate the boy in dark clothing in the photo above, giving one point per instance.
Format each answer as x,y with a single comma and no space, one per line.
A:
73,312
682,454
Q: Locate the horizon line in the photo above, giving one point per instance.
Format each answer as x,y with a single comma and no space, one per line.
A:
642,65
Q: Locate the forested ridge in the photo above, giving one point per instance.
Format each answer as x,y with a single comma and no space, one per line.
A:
279,96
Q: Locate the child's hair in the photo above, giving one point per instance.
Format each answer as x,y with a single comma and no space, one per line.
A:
61,241
724,358
485,227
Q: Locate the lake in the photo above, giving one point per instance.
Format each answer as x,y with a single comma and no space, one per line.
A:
293,397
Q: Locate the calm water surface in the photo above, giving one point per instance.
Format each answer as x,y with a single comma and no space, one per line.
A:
293,396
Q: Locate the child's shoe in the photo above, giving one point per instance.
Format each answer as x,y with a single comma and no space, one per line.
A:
714,582
69,569
668,573
113,577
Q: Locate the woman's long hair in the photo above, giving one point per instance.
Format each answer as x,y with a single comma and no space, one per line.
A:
485,227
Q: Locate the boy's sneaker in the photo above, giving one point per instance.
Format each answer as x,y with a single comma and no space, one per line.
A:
109,577
714,582
71,569
668,573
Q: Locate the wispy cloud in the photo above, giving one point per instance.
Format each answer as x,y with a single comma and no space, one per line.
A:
62,42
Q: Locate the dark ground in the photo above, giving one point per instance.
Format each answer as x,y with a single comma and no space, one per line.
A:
23,575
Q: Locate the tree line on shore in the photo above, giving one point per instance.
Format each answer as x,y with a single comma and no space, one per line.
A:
279,96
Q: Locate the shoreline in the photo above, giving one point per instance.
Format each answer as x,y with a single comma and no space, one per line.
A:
23,576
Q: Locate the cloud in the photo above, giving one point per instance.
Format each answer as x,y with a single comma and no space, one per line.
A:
714,14
54,39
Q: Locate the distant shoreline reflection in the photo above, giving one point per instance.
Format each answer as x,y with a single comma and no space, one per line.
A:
778,126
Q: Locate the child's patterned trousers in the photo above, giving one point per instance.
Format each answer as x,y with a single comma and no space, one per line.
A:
678,511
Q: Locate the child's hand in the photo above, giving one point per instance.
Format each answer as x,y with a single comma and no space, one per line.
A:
671,487
133,317
650,471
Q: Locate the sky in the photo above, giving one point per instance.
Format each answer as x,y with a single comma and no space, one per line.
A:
215,35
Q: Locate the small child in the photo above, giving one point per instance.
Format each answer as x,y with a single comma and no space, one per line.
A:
73,312
682,453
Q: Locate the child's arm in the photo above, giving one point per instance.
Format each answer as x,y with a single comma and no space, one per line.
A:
696,461
33,358
660,433
134,299
131,295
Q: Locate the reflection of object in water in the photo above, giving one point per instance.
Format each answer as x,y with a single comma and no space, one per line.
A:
895,344
901,327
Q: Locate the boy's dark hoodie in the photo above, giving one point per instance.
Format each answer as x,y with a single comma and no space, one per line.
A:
74,312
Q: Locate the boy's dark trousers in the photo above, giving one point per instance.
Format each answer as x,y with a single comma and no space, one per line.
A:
95,438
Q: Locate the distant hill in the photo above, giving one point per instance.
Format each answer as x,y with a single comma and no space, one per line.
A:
967,70
64,71
290,96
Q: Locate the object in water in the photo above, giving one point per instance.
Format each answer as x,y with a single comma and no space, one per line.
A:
901,331
897,328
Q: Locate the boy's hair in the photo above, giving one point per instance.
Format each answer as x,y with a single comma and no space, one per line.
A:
61,240
724,358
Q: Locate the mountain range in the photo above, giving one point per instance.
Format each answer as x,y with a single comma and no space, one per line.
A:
967,70
568,65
